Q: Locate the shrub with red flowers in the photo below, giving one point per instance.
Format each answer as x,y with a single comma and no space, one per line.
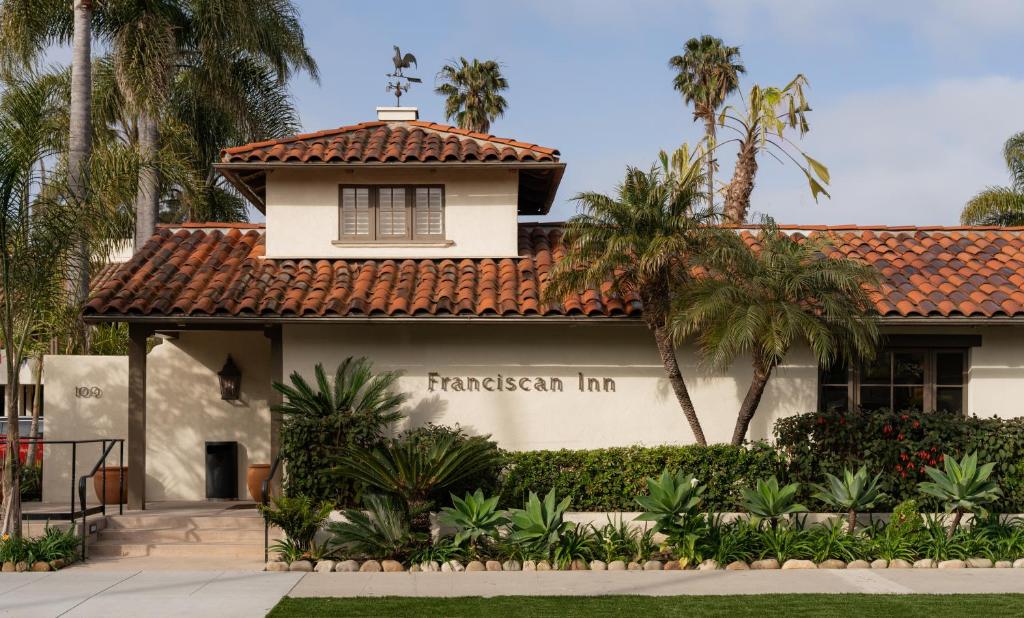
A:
901,445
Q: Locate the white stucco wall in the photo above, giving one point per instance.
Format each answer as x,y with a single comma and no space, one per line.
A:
641,410
480,212
70,417
184,411
995,381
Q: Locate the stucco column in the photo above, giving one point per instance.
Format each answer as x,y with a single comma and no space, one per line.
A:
137,335
274,399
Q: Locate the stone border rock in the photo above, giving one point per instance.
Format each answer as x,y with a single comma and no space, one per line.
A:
36,567
476,566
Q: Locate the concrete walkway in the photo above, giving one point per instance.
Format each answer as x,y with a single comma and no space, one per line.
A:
81,592
89,592
664,583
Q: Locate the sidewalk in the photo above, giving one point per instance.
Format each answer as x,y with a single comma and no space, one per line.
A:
86,592
82,592
664,583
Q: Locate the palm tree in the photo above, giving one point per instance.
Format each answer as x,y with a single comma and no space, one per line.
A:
39,236
761,126
706,74
761,300
80,139
1002,206
472,92
639,240
223,49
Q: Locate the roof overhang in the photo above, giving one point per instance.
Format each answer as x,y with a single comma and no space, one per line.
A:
538,181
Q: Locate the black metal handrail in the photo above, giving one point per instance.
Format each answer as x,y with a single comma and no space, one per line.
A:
264,500
82,482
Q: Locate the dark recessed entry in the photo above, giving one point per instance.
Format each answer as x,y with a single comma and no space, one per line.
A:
222,470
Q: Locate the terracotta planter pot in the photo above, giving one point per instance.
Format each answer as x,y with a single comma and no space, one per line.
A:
254,478
113,476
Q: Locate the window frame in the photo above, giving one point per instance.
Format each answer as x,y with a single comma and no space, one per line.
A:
930,384
374,237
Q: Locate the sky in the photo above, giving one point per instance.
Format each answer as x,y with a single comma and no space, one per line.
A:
912,100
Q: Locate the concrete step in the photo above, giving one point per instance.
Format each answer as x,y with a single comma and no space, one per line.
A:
199,551
153,522
187,535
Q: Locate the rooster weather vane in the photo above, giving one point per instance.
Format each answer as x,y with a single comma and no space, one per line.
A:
402,82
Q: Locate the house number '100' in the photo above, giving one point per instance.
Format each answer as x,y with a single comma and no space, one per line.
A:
88,392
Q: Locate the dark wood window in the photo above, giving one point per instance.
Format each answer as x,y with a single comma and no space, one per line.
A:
391,213
927,379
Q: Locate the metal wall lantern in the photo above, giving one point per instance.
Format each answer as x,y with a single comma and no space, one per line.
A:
230,377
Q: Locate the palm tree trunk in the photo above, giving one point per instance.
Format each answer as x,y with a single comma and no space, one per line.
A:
37,406
737,193
675,378
709,131
851,521
750,402
10,518
956,523
147,201
79,151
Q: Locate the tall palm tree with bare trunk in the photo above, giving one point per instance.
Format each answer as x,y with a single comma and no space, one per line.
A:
154,43
761,126
1002,206
707,72
639,241
760,301
472,92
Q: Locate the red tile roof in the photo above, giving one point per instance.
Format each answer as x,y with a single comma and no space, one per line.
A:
215,270
400,142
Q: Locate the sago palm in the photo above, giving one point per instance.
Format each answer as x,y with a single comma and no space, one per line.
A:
1001,205
637,244
415,474
855,491
707,72
472,92
760,300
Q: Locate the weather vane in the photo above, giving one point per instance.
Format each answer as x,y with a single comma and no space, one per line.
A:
402,82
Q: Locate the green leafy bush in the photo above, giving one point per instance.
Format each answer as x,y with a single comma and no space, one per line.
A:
379,531
53,544
298,516
609,479
900,445
354,408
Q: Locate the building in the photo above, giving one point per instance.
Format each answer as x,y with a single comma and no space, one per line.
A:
400,240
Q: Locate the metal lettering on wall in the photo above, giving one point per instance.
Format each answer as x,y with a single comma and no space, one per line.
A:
499,383
88,392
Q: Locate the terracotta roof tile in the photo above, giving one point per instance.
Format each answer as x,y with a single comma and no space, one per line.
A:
219,270
401,142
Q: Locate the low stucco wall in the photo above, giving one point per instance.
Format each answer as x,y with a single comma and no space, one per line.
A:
628,402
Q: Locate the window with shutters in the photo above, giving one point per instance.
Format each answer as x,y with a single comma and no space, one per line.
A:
388,213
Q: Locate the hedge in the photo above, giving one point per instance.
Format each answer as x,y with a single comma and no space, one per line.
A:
899,445
609,479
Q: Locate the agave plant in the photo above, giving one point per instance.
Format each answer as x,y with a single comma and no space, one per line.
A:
381,531
854,492
963,487
540,525
768,502
475,518
673,497
413,473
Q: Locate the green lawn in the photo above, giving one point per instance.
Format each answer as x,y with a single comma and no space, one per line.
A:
842,605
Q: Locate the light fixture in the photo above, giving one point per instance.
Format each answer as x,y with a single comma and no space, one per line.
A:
230,377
